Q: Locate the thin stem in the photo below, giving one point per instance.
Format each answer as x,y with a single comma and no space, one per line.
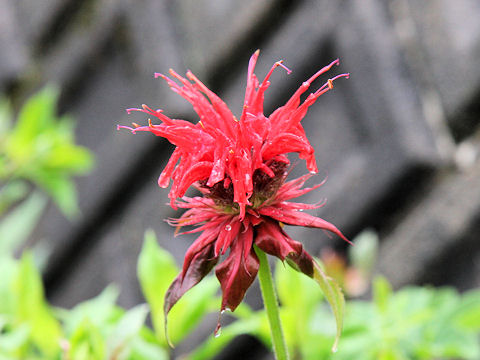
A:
271,306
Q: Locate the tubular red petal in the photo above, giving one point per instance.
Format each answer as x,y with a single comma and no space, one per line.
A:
164,178
292,217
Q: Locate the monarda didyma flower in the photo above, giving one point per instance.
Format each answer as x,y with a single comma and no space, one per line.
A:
240,168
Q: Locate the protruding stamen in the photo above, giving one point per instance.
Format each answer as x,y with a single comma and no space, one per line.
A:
201,124
135,125
274,66
329,85
346,76
125,127
130,110
280,63
323,70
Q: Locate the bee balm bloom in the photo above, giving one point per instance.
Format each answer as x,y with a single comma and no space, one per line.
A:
240,168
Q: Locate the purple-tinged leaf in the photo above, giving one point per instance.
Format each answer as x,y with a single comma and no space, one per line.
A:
200,266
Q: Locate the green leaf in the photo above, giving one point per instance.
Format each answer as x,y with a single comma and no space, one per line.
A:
294,288
468,315
156,270
31,307
10,193
129,326
87,342
63,192
11,342
334,295
98,311
37,114
382,292
192,307
145,350
299,298
41,149
19,223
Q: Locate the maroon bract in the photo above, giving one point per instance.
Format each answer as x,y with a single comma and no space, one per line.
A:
240,167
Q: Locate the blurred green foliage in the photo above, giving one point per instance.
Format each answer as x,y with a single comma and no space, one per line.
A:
93,330
39,147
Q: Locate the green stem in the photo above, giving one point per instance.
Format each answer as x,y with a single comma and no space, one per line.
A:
271,306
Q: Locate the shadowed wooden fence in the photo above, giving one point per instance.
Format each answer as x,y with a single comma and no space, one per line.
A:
399,140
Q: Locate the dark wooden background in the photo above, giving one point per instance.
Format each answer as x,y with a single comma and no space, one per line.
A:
399,140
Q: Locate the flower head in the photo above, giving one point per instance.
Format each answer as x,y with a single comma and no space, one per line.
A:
240,168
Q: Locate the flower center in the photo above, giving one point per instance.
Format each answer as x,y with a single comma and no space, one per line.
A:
264,188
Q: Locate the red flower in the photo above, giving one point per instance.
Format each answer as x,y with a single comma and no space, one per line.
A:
240,168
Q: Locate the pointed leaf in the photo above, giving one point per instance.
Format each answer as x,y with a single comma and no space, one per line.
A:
12,341
382,292
87,342
295,290
192,307
156,269
32,307
120,339
99,311
145,350
330,288
468,316
19,223
37,114
11,192
62,190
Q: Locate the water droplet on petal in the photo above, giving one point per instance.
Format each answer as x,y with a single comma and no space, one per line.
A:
228,228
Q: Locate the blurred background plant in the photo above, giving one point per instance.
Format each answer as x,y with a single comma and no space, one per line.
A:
39,148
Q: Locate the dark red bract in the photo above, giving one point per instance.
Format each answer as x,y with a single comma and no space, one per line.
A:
240,167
